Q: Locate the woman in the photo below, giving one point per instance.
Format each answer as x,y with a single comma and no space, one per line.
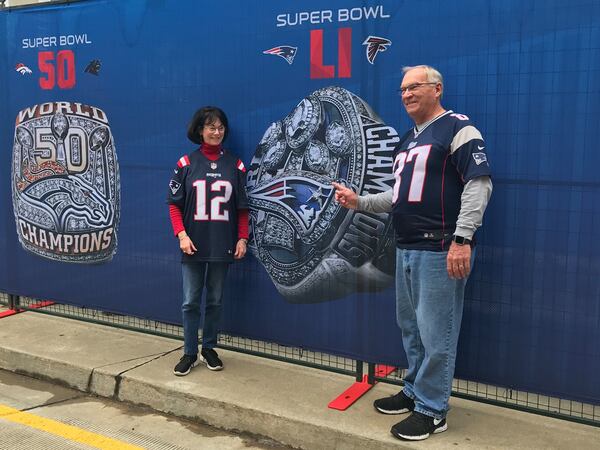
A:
209,213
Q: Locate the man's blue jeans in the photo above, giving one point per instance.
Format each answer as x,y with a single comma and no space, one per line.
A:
429,307
194,276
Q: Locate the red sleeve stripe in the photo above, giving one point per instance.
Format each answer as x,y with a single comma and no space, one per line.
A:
242,223
240,165
183,161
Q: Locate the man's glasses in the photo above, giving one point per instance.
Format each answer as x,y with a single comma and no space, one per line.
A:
412,87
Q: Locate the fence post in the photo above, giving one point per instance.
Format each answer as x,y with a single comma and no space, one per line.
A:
359,370
13,301
371,373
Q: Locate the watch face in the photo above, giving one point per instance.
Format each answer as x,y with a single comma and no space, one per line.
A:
65,183
313,249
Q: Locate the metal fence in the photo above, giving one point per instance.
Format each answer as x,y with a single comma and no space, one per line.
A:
500,396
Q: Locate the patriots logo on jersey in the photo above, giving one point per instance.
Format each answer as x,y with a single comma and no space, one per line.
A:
479,158
285,51
174,186
375,44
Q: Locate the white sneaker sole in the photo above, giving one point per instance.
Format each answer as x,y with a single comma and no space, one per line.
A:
182,374
217,368
423,436
391,412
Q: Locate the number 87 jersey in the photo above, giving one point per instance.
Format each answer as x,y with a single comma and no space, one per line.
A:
431,167
209,195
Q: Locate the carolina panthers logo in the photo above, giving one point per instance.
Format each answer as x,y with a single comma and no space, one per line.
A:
375,45
93,67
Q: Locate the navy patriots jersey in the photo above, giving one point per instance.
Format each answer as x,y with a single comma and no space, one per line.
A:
431,168
209,194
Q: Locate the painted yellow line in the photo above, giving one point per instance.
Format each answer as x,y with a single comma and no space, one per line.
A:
66,431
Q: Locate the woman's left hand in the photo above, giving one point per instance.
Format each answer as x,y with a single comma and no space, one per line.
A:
240,249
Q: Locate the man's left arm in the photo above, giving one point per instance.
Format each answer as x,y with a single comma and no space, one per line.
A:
474,199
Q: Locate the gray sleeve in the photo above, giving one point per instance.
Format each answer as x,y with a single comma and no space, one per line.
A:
376,203
473,202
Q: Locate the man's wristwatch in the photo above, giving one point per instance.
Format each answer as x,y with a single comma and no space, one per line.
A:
460,240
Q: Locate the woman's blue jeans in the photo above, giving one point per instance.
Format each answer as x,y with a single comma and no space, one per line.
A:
429,307
195,276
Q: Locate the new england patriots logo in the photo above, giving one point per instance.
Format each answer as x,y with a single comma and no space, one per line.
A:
479,158
302,198
375,45
285,51
174,186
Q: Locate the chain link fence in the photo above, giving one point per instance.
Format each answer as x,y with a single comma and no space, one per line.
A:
499,396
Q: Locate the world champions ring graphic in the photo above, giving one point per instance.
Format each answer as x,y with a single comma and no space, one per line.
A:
65,183
313,249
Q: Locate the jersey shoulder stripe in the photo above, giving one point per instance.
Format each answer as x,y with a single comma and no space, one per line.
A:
240,165
183,161
464,135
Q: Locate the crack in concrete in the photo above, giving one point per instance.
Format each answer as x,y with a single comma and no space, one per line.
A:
57,402
119,376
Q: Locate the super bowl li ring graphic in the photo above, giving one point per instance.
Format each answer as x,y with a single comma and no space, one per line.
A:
65,183
313,249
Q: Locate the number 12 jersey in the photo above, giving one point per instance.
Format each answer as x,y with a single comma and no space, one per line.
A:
209,194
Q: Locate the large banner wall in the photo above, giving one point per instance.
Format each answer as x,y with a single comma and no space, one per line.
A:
96,97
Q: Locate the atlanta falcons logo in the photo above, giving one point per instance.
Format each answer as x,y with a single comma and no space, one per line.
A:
285,51
375,45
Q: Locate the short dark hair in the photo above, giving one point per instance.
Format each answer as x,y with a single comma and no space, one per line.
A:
202,117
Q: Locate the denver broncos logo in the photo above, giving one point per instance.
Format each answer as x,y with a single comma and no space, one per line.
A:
375,45
22,69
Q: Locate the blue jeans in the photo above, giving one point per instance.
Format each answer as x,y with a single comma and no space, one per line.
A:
194,275
429,307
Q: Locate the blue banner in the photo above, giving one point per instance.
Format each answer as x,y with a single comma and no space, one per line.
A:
95,103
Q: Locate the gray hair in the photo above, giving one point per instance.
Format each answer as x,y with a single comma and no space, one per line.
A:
432,74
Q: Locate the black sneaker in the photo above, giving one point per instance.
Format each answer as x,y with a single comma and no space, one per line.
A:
396,404
417,427
210,357
185,364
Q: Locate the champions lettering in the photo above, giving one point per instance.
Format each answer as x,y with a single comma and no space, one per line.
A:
368,230
66,244
381,141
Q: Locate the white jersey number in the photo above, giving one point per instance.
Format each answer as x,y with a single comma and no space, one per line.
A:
419,155
215,211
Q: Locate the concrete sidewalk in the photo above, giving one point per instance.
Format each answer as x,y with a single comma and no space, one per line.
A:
285,402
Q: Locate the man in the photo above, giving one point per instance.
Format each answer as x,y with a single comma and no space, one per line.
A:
442,186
